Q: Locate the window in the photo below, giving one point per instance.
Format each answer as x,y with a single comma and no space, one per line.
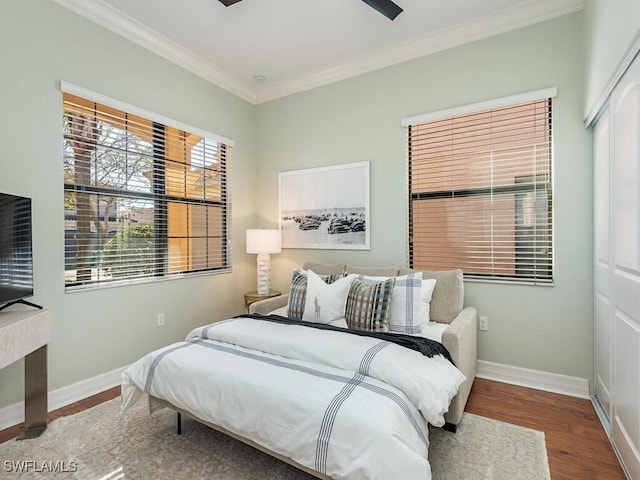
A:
480,190
143,198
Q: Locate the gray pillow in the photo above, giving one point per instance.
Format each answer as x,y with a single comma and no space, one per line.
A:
324,268
373,271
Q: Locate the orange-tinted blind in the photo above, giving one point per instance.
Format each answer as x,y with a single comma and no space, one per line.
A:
142,199
481,194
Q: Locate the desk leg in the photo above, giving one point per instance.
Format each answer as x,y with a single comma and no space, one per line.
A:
35,394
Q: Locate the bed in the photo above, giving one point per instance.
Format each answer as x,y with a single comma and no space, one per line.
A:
450,321
335,403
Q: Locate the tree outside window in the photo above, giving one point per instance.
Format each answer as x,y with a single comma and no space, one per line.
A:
142,199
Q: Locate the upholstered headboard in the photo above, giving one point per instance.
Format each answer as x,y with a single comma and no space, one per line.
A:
448,296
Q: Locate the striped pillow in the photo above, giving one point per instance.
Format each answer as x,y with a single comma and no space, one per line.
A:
407,311
368,306
298,292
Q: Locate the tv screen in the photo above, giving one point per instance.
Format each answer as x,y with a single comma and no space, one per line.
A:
16,259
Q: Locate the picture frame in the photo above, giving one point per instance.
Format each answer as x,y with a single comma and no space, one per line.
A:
325,207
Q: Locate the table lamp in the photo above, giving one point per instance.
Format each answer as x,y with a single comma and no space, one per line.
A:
263,242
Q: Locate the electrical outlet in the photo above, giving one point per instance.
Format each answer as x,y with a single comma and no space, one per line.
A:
161,319
484,323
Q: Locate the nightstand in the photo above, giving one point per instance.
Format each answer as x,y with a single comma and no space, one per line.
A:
252,297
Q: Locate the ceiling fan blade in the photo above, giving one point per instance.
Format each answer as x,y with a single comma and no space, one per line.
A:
386,7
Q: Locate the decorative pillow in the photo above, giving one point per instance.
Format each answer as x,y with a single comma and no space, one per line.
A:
368,305
448,296
406,314
298,292
297,295
325,303
426,292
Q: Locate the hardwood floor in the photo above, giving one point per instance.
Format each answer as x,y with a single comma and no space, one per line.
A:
577,445
13,432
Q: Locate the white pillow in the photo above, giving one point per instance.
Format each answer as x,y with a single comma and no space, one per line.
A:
326,303
426,292
298,292
409,304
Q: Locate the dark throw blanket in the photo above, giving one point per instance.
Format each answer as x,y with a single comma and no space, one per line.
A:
425,346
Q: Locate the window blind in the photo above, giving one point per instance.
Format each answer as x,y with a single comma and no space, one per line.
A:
143,199
480,193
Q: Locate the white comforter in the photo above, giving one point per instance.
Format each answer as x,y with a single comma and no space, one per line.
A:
347,406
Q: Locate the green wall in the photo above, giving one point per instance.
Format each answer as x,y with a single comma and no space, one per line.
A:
611,28
97,331
542,328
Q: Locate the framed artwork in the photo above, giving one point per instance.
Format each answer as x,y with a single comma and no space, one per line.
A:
325,207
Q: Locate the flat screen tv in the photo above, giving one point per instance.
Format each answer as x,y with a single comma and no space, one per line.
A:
16,259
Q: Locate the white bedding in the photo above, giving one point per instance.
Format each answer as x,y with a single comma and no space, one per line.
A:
433,330
430,330
347,406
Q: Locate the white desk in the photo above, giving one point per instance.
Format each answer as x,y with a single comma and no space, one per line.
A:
26,334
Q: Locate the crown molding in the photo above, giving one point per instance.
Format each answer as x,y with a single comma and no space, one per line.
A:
136,32
513,18
532,12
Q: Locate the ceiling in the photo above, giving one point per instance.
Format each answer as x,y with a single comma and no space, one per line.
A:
296,45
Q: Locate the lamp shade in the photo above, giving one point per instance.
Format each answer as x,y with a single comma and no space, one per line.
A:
263,241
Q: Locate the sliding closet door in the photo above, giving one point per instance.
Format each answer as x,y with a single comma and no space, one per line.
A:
603,322
625,243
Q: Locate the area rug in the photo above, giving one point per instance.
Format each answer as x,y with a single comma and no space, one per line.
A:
101,444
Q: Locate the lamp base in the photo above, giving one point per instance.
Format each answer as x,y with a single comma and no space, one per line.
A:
264,273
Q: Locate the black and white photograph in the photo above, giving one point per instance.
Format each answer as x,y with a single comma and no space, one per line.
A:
325,207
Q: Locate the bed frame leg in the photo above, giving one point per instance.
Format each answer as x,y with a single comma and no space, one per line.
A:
179,421
450,427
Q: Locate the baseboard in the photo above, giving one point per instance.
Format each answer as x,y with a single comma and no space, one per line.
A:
14,414
548,382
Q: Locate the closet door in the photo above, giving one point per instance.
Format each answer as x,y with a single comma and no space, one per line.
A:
603,322
625,243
